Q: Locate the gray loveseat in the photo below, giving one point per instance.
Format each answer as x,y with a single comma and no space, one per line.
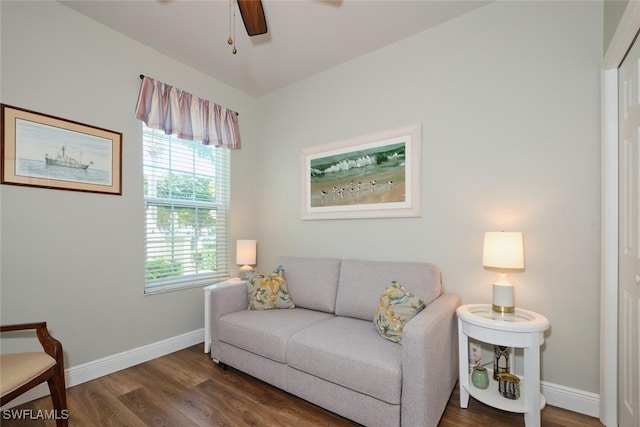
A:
327,349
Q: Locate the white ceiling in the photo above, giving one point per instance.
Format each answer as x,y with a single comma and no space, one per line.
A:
304,36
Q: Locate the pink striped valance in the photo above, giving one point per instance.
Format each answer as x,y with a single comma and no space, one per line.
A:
177,112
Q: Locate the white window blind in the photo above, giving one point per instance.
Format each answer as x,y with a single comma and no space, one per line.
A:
187,194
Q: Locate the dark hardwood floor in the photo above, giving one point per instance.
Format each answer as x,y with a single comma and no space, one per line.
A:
187,389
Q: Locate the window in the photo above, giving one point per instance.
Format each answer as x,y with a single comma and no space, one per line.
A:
186,193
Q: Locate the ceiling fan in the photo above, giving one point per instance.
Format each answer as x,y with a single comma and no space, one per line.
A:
253,16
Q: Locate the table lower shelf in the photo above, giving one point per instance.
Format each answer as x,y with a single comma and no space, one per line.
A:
491,396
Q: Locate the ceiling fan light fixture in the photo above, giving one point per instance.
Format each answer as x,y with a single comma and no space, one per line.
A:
252,16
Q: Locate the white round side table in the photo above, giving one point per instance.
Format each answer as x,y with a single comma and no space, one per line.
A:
522,329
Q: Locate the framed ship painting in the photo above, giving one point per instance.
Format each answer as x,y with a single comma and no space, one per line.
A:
371,176
39,150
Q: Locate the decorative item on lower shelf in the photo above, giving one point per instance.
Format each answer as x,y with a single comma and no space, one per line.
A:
480,377
500,361
509,386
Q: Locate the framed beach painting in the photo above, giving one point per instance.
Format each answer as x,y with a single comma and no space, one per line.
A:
39,150
371,176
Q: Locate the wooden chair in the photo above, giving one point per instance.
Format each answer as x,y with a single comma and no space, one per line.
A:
20,372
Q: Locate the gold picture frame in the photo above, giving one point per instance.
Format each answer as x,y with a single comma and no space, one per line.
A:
371,176
39,150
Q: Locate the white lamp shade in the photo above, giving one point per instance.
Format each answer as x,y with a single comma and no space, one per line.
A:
246,252
503,250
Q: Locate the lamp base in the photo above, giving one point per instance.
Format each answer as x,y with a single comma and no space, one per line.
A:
503,301
245,272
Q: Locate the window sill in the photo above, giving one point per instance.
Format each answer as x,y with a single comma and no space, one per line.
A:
163,289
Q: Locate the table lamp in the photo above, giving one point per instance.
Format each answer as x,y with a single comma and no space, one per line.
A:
503,250
246,256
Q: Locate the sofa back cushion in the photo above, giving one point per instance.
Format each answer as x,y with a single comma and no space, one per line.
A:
362,282
312,282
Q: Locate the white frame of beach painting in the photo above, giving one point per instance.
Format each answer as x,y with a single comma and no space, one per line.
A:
363,188
35,137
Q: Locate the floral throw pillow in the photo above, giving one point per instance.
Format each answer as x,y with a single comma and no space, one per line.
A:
397,306
267,292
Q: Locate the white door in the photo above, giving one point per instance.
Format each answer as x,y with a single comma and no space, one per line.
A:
629,241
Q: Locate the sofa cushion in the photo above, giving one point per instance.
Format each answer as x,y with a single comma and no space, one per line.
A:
362,283
267,292
349,352
266,332
312,282
397,306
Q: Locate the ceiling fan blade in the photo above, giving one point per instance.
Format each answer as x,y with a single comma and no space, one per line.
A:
253,16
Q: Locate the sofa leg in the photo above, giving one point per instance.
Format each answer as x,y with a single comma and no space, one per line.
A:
223,366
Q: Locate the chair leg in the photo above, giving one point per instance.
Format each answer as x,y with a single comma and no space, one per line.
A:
59,397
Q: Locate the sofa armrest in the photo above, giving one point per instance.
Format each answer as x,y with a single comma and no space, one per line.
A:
222,299
429,362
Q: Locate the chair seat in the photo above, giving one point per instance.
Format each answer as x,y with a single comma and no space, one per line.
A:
17,369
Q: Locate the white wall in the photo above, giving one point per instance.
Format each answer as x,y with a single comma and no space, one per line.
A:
508,99
76,259
613,11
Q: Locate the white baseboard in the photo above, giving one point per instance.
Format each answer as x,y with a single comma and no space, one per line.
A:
117,362
571,399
